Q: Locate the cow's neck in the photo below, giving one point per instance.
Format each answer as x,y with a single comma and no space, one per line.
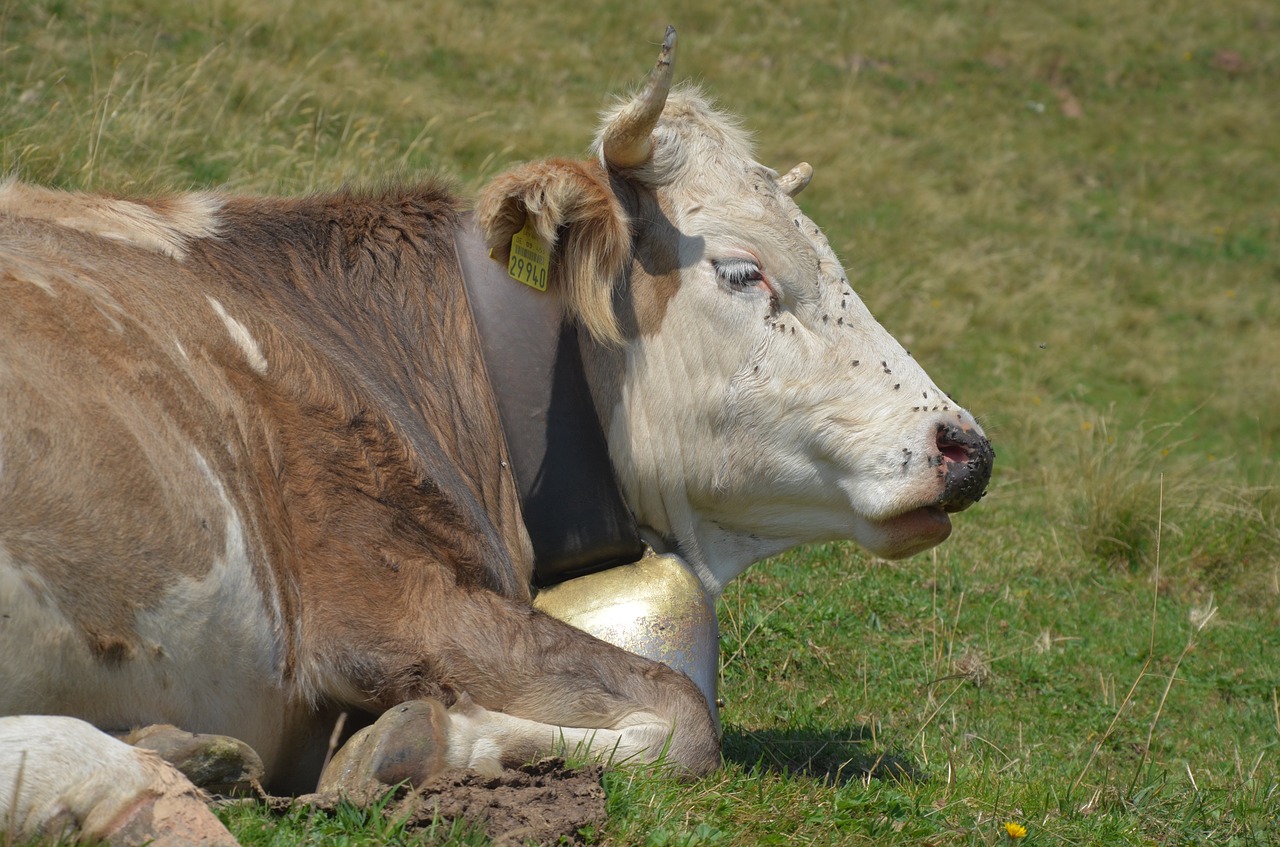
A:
668,522
718,556
573,510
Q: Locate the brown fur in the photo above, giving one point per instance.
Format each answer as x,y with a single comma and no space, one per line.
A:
345,462
389,453
88,391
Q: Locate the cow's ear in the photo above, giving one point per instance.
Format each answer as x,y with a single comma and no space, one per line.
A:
579,219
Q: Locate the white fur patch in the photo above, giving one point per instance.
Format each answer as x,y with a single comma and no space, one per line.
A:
210,654
164,226
241,336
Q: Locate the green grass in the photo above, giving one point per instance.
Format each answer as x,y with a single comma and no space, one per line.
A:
1066,211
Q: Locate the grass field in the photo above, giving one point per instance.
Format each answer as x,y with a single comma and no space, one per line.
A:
1068,212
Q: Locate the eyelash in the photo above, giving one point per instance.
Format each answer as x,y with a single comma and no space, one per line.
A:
740,274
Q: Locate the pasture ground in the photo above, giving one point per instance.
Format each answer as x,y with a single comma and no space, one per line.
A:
1067,211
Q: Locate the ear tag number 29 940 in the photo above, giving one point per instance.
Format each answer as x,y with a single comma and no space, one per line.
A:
529,258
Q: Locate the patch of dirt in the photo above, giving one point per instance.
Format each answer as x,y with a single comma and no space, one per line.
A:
545,803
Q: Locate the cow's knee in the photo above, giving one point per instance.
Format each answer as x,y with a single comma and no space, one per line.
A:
688,751
669,724
691,734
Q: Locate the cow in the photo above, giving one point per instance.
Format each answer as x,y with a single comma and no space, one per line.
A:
252,474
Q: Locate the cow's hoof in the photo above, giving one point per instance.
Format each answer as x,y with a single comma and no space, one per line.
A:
217,763
406,744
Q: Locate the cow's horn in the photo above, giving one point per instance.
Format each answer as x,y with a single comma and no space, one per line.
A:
794,180
628,140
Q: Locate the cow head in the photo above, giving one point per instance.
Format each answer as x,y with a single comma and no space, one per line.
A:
751,401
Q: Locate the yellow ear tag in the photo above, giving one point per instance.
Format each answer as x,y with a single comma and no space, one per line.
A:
529,258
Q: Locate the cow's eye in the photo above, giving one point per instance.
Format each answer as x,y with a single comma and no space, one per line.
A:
739,274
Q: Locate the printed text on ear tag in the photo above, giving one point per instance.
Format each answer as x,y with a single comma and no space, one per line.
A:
529,258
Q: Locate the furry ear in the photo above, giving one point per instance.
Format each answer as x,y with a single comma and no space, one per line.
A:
579,219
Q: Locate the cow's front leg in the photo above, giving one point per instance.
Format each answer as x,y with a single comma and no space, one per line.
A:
483,739
556,689
521,685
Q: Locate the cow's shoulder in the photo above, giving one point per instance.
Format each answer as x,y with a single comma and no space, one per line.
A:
374,385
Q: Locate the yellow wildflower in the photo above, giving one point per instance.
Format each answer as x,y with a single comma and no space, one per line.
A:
1015,830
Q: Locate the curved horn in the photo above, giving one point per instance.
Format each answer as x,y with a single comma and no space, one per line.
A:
794,180
627,142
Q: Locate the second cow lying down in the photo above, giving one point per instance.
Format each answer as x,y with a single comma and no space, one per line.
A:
251,472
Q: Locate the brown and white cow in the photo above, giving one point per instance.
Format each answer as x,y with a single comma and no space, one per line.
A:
251,472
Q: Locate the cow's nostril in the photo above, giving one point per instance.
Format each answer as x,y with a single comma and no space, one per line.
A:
953,443
967,458
953,452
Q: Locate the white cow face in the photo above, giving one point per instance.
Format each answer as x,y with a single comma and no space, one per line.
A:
762,406
750,400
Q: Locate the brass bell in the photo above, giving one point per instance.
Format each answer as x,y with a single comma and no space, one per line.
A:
656,608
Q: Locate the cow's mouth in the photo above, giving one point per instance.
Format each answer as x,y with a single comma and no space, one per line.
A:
910,532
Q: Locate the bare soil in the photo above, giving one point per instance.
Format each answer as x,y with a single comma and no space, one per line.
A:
543,803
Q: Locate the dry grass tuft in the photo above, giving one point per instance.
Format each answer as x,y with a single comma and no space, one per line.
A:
1116,490
1215,532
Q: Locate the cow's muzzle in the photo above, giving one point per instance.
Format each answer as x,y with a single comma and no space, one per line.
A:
967,458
